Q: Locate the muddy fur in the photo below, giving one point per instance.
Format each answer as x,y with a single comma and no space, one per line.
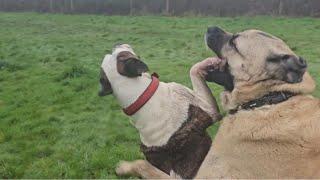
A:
186,149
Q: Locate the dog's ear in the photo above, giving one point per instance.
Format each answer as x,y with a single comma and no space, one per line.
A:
131,67
106,88
293,67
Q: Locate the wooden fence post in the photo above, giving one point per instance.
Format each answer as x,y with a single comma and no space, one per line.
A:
1,5
51,6
167,7
280,9
131,7
71,5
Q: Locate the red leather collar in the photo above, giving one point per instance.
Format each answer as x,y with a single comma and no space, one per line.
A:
144,97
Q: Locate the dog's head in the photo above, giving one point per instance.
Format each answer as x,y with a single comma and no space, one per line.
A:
118,66
258,63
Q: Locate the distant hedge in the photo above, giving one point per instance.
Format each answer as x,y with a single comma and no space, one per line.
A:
169,7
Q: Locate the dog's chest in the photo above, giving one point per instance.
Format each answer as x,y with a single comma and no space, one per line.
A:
163,114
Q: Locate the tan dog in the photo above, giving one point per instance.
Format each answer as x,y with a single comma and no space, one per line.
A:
273,128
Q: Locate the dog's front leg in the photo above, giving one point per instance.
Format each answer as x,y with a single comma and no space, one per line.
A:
206,100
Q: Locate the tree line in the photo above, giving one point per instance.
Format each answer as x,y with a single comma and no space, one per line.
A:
169,7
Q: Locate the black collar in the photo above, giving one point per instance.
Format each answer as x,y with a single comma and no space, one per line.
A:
271,98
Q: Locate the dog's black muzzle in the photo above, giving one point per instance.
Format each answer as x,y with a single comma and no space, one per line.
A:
216,38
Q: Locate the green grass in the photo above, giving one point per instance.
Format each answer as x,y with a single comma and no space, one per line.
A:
53,124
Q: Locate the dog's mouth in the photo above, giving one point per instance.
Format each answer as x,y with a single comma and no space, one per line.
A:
221,77
214,39
105,84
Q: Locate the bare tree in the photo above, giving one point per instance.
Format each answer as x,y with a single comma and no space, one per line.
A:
71,6
131,7
51,5
168,7
280,9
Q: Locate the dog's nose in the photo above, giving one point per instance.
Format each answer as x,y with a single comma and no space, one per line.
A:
297,64
117,45
301,62
125,45
214,30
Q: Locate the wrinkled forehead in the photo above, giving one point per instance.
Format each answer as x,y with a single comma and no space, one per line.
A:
265,41
120,52
110,60
257,34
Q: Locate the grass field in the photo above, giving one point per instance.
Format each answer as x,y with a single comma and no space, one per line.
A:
53,124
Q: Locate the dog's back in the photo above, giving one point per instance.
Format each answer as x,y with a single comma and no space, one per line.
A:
277,141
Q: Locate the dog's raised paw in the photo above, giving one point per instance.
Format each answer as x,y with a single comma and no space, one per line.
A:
123,168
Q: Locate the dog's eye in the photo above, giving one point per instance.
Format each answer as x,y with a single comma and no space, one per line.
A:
234,37
286,56
278,58
232,42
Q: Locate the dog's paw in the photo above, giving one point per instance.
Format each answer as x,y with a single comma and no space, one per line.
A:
210,64
124,168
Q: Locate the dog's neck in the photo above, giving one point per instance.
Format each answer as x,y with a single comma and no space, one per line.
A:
245,93
127,90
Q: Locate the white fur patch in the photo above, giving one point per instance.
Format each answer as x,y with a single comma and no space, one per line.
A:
162,115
